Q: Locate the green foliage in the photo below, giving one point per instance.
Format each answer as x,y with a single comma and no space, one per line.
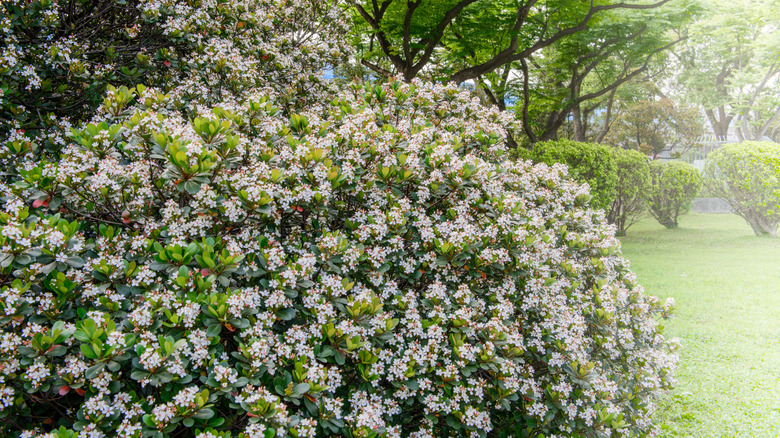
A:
247,251
589,163
325,276
631,190
673,187
747,175
729,66
574,78
60,57
405,34
579,50
652,125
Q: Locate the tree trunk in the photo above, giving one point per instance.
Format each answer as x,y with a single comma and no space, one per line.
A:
741,135
757,230
549,134
607,117
720,122
579,126
760,225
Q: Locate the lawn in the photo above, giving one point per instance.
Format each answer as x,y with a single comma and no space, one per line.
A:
726,284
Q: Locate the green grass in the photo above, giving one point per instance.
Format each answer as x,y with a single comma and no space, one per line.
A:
726,284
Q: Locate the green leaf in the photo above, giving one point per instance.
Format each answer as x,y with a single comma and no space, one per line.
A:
93,371
88,352
75,262
301,388
23,259
138,375
56,351
191,187
213,330
81,336
340,359
149,421
6,260
306,284
203,414
286,314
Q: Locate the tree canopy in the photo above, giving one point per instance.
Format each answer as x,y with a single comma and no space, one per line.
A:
475,37
555,60
731,66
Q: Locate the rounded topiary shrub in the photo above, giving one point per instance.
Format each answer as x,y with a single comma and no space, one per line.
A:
374,270
747,176
631,190
589,163
673,187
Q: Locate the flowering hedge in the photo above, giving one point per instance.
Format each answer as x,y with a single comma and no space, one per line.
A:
373,268
57,57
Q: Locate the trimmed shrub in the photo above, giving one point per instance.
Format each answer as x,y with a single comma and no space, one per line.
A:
747,176
589,163
633,185
673,187
372,269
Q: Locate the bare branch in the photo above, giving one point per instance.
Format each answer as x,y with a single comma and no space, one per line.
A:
526,102
378,69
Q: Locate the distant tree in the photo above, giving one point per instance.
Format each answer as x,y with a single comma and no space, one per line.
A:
731,66
655,124
631,189
746,176
673,187
579,75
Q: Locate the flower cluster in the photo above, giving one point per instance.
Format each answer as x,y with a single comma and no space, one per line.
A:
370,267
57,57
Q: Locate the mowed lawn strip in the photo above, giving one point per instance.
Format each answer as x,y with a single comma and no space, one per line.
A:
726,285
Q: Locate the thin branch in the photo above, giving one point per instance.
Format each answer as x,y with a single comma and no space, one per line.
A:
374,21
378,69
526,101
431,43
607,117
